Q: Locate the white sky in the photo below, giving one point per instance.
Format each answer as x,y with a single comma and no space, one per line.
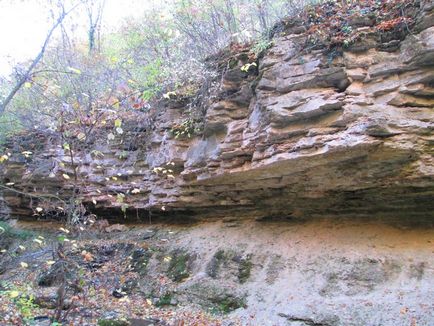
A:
24,25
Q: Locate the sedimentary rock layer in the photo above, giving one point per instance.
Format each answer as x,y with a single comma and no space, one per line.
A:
304,133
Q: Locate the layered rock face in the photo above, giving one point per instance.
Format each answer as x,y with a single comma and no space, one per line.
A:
303,133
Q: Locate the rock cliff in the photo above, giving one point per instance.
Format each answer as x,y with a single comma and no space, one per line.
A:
295,133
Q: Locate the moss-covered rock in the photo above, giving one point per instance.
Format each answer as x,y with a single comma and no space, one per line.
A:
55,274
180,265
227,304
216,262
166,299
140,260
113,322
216,298
234,264
244,268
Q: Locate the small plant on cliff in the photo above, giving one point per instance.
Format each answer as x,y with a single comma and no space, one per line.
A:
261,45
185,129
247,66
165,170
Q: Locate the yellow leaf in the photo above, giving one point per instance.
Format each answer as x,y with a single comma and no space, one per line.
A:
24,265
50,262
13,294
168,95
27,85
74,70
3,158
81,136
118,123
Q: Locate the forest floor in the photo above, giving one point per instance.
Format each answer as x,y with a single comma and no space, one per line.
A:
102,278
329,272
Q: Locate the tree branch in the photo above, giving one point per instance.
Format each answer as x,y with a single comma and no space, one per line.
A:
22,80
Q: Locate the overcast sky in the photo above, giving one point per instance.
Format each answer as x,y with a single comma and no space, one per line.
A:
24,26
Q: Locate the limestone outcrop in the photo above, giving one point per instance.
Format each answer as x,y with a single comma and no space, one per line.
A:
300,134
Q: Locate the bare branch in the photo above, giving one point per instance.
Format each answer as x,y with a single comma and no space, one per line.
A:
22,80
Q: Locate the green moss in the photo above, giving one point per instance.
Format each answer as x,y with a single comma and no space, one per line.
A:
7,231
178,268
245,269
233,63
140,260
228,304
113,322
214,265
164,300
